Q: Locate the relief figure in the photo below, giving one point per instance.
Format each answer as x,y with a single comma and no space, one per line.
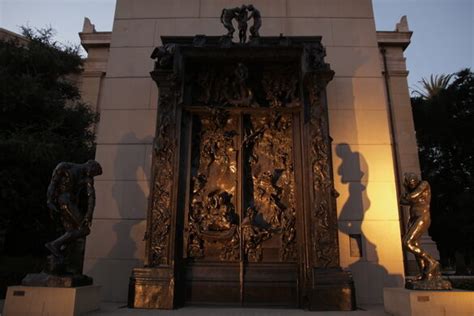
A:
227,16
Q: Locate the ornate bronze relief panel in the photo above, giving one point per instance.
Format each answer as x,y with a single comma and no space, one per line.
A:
253,85
164,151
270,208
242,200
242,204
212,221
325,242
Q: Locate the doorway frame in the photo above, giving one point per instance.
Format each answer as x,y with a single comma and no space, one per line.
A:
323,285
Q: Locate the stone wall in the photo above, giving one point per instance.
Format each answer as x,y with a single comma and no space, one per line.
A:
359,122
393,45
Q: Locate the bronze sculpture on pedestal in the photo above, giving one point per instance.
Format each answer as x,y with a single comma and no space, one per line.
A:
71,200
418,197
241,15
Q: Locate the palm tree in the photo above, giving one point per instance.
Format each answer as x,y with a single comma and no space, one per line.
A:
430,89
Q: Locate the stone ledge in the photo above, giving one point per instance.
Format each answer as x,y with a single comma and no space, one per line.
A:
403,302
51,301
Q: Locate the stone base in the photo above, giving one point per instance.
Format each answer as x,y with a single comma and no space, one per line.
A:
51,301
151,288
403,302
48,280
436,284
332,290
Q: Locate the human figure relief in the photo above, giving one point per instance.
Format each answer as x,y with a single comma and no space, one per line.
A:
227,16
257,21
242,18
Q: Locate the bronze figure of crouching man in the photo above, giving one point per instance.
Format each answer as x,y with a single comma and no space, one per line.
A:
71,200
71,197
418,197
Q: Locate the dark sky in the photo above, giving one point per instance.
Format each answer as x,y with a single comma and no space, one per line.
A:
442,41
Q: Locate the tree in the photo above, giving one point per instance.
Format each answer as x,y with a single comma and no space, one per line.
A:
430,89
42,122
444,128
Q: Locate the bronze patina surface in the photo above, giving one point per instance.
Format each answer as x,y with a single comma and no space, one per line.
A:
418,198
257,21
71,201
242,15
242,206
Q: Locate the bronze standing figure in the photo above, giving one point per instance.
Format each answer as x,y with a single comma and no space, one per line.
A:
227,16
257,21
242,25
418,197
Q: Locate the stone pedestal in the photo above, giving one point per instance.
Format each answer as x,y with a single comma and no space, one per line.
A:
437,283
151,288
403,302
51,301
333,290
51,280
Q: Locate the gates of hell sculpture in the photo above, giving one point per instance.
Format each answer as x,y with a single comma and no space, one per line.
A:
242,207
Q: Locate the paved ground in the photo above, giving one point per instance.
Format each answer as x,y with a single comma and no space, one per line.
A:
121,310
118,309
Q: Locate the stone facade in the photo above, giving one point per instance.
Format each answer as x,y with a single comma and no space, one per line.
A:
392,45
373,138
97,46
6,35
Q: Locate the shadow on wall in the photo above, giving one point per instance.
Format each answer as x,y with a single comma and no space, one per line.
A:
127,224
122,228
369,275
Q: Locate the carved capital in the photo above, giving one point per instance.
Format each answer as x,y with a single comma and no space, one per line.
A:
164,56
314,54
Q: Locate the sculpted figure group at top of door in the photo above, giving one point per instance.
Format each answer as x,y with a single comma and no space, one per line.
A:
238,86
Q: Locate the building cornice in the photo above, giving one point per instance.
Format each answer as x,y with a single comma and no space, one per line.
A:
95,40
394,38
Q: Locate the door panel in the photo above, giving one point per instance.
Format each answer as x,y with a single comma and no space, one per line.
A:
269,225
212,228
240,226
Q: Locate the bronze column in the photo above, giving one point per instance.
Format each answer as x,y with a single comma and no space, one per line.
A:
154,285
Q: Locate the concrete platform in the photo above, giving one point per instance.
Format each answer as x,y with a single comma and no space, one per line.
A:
51,301
121,309
403,302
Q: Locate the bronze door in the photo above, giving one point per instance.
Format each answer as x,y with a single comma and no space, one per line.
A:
242,204
240,218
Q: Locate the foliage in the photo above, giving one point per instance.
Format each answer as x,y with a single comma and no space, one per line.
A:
445,129
42,122
433,87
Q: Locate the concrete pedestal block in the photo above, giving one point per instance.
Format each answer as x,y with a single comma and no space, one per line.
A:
403,302
51,301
